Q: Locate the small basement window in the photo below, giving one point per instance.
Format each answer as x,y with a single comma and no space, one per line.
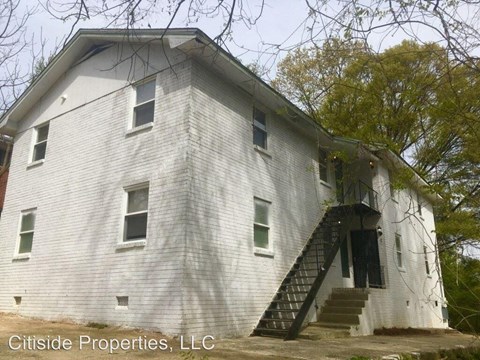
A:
122,301
18,300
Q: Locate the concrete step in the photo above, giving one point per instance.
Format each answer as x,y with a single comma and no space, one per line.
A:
319,333
341,310
348,295
346,303
351,319
329,325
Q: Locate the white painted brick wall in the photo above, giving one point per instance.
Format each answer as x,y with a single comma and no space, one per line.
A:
229,284
198,273
74,270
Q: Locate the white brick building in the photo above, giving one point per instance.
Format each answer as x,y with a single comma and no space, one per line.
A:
155,182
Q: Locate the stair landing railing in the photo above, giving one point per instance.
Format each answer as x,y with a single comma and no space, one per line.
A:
360,193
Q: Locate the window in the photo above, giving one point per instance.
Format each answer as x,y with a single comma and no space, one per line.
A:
425,256
323,165
392,188
40,147
419,204
135,227
144,104
398,250
122,302
259,128
261,224
27,225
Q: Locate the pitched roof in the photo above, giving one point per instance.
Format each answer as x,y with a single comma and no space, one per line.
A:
189,40
196,44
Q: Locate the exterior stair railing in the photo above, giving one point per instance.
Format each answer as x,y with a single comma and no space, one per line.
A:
289,308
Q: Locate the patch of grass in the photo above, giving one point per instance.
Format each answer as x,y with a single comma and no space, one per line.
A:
357,357
189,355
96,325
461,354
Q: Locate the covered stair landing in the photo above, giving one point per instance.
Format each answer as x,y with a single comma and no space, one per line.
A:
286,313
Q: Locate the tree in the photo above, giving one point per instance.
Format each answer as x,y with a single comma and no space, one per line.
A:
461,277
411,97
12,44
454,23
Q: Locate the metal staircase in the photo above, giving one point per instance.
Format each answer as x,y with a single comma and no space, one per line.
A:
287,311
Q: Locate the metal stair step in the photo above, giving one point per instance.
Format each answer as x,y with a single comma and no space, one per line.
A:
260,331
303,276
270,320
284,301
292,292
281,310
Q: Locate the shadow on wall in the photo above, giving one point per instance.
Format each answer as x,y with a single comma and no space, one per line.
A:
6,145
227,286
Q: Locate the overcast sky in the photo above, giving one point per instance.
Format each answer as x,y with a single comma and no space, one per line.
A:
283,23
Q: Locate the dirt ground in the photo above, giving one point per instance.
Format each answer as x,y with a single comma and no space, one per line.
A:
19,335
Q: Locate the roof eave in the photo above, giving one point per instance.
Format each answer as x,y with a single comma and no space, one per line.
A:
63,60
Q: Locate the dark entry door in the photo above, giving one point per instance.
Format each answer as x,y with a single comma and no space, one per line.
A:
366,261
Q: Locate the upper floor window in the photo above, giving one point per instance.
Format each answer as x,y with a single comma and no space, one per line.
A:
136,216
425,256
259,128
398,250
27,226
144,103
391,186
323,165
40,147
261,225
419,204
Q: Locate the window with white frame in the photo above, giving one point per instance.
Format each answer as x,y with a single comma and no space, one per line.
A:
40,146
391,186
144,104
323,164
425,256
259,128
261,225
419,204
398,250
136,216
27,227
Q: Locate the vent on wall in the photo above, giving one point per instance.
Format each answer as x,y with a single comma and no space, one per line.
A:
122,302
18,300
